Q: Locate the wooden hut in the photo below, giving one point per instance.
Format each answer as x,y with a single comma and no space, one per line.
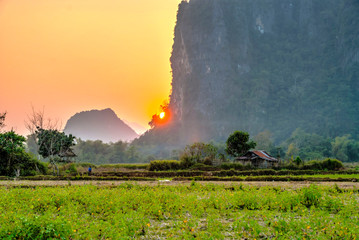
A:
67,155
258,159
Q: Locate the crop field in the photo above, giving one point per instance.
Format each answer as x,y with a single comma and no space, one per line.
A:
183,211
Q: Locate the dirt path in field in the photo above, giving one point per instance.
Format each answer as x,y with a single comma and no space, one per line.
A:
292,185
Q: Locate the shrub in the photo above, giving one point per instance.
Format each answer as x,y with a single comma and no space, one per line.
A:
187,161
164,165
85,165
132,166
14,160
72,169
332,164
312,165
236,166
203,167
328,164
310,196
38,228
298,160
198,152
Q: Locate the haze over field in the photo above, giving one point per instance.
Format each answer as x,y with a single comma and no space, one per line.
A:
71,56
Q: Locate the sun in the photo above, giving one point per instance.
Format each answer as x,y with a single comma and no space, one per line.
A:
162,115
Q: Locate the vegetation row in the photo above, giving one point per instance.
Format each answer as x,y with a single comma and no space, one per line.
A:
131,211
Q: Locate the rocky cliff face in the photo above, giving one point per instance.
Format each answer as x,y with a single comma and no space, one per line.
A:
99,125
265,64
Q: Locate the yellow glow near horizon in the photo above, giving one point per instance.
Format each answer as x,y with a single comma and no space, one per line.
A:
77,55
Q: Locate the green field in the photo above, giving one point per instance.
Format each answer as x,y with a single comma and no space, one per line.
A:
201,211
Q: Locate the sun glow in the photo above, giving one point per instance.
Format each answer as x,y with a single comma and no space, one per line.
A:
162,115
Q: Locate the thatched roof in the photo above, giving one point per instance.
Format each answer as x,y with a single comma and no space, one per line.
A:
68,153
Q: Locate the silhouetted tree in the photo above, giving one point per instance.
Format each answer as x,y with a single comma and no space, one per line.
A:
13,158
238,143
54,145
2,119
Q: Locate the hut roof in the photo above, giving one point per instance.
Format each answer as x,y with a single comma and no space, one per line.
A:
67,153
257,153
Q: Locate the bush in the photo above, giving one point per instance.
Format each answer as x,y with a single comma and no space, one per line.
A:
203,167
312,165
198,152
85,165
38,228
332,164
69,168
164,165
327,164
310,196
124,165
187,161
235,166
27,163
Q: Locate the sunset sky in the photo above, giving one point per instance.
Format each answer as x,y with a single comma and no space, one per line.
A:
74,55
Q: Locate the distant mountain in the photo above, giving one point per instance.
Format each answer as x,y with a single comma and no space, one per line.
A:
139,129
99,125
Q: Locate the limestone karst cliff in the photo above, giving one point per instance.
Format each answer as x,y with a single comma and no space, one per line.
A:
259,65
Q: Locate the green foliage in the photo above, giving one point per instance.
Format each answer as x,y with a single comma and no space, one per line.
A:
98,152
235,166
11,143
14,161
84,164
31,144
264,142
198,152
327,164
69,168
292,150
2,119
133,166
43,227
307,146
192,210
298,160
164,165
238,143
310,196
297,72
54,143
345,148
332,164
203,167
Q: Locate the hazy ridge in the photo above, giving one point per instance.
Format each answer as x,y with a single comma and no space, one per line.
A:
99,125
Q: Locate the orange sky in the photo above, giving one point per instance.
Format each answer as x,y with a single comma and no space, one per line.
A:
75,55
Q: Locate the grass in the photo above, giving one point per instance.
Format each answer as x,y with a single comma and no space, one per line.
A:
208,211
125,165
198,176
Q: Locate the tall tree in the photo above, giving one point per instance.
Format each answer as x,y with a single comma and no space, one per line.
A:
238,143
2,119
11,145
13,158
199,152
54,145
38,120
